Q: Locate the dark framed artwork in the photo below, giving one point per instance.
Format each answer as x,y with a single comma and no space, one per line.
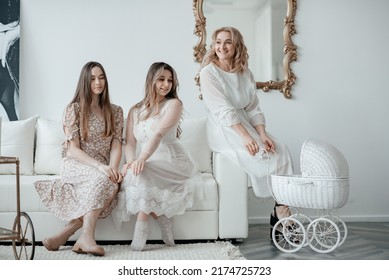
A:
9,58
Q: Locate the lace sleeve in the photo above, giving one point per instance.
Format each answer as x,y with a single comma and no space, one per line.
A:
253,110
215,99
168,122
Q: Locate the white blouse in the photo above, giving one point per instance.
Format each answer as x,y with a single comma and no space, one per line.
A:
225,93
231,98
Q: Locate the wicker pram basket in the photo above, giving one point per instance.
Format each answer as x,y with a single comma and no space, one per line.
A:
324,183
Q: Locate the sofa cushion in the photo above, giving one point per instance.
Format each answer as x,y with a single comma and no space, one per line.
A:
17,140
31,202
194,138
49,138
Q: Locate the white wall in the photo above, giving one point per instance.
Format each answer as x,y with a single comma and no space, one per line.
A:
58,37
340,94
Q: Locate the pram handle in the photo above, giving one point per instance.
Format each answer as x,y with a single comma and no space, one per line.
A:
268,170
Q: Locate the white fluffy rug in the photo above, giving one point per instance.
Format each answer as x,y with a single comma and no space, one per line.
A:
194,251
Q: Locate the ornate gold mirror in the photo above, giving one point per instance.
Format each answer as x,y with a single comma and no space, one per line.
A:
266,25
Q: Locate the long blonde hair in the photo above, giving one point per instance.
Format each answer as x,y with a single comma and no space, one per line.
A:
83,96
240,62
149,103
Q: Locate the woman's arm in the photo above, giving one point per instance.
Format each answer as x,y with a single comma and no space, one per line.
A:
167,123
116,155
116,145
130,145
253,110
216,100
266,140
248,141
71,127
74,151
256,116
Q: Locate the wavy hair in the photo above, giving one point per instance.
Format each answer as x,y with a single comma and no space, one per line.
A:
240,61
150,99
83,96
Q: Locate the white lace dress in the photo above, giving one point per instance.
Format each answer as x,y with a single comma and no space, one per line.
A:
231,98
169,180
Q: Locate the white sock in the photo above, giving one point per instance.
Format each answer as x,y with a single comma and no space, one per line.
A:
141,234
166,229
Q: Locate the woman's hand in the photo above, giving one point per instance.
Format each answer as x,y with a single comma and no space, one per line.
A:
250,144
118,178
137,166
126,166
112,173
267,142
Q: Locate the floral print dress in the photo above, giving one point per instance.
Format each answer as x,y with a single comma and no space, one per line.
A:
82,188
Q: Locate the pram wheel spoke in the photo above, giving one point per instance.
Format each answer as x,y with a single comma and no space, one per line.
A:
341,225
323,235
288,235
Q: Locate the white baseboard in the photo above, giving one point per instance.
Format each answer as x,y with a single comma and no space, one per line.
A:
376,219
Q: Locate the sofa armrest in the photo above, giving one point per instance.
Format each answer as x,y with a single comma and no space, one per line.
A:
232,186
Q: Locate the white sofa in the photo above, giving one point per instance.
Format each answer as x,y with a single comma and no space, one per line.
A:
37,143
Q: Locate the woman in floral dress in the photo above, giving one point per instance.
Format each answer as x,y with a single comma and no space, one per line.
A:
87,189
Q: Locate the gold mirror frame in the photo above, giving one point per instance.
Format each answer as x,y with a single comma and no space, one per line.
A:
290,49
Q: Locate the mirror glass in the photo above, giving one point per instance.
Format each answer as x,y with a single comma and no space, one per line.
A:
261,23
267,27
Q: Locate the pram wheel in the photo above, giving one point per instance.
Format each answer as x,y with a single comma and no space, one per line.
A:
288,235
304,219
24,246
323,235
341,225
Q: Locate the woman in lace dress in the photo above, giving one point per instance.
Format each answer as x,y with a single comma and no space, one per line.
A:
160,175
91,155
236,125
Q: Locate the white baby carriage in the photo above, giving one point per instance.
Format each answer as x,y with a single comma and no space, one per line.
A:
323,185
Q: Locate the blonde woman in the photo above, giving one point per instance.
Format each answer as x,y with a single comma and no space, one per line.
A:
91,154
160,175
236,125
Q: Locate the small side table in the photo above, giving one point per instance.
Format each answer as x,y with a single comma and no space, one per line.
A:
22,233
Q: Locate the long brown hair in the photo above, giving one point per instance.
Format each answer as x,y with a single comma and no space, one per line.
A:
240,62
83,96
150,100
